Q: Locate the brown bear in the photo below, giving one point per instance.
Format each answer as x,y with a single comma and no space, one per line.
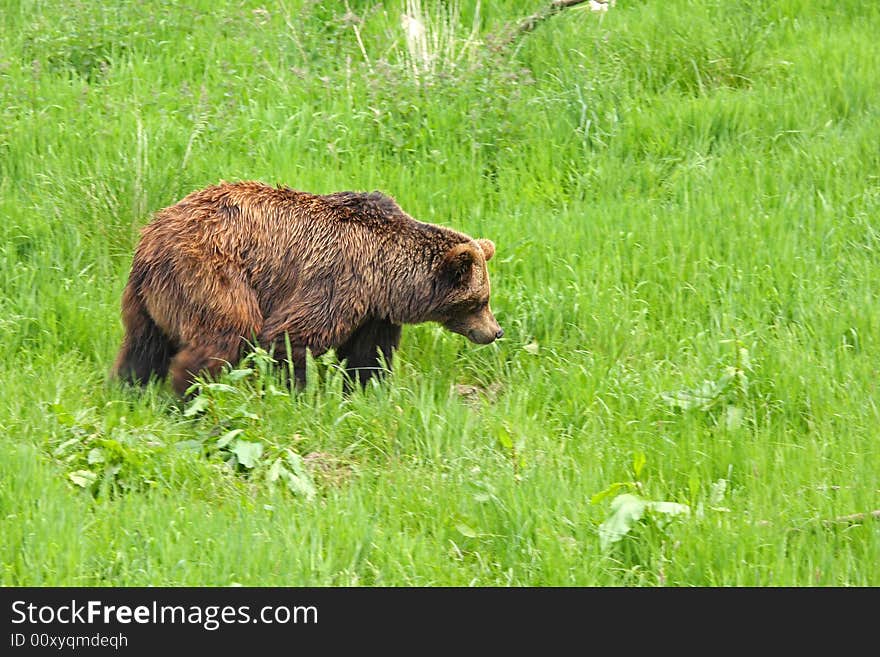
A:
245,263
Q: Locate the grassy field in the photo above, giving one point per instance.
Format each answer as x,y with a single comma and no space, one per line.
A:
685,198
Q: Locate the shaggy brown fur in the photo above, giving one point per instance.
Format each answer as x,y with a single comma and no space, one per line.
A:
244,262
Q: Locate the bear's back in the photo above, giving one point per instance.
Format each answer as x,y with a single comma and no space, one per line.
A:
263,205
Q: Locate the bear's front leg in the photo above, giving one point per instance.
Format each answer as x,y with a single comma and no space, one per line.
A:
293,358
291,348
361,351
309,322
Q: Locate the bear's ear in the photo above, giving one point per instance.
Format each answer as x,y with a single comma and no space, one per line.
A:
459,262
488,247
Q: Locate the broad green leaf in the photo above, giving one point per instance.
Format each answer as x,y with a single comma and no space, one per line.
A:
626,510
296,462
58,451
95,456
669,508
196,406
220,387
238,375
84,478
299,481
274,391
188,444
465,530
299,484
733,417
724,380
703,397
274,471
613,488
228,437
682,399
717,491
247,453
245,413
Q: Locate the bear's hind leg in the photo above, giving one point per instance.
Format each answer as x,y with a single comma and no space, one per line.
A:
205,357
146,351
361,351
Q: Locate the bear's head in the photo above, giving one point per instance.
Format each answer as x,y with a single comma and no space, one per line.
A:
465,307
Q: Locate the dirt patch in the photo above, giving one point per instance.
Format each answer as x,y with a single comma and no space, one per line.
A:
327,469
473,394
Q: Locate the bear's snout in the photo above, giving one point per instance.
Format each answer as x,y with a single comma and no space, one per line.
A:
485,330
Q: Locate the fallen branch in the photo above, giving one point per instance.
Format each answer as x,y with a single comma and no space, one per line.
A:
815,523
854,517
529,23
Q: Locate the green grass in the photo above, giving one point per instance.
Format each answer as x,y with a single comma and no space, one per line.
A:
672,187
